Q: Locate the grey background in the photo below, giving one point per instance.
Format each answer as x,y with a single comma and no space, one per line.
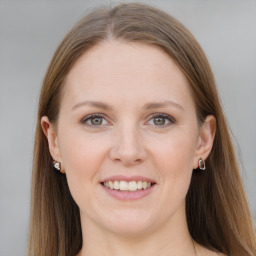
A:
29,34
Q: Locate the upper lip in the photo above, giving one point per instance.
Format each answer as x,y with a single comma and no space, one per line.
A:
127,178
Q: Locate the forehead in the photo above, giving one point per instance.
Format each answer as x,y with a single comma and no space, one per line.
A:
117,56
133,71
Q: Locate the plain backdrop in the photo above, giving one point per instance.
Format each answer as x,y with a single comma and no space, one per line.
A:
29,34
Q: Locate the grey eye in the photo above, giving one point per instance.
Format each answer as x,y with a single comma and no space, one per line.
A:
159,121
96,120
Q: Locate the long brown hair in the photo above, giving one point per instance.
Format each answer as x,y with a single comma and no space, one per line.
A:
216,207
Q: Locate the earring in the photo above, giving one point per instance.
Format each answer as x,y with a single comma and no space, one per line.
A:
201,164
57,165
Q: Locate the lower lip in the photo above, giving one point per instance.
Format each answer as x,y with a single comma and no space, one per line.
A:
129,195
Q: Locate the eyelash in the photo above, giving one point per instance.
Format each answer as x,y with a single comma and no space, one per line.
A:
165,116
155,115
90,117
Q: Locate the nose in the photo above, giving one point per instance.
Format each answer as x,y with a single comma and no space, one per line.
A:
128,147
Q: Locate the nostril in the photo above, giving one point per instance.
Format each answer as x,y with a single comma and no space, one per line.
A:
129,151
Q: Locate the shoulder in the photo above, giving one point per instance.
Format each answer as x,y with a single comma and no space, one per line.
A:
208,252
202,251
212,253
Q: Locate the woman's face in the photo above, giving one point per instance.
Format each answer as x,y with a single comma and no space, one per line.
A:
127,120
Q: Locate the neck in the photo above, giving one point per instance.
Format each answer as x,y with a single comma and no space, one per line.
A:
171,239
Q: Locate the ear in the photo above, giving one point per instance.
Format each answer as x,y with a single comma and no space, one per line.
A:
205,140
51,135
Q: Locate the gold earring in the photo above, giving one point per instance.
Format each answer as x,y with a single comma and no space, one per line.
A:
201,164
57,165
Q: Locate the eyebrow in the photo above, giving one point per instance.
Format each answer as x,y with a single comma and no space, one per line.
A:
148,106
97,104
164,104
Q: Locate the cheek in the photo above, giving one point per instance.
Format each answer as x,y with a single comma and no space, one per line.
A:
175,154
174,161
80,151
82,157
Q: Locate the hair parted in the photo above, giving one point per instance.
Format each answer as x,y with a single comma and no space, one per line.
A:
217,211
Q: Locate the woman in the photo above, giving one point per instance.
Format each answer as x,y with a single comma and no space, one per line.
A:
132,151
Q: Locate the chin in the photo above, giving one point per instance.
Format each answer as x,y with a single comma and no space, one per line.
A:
130,230
132,223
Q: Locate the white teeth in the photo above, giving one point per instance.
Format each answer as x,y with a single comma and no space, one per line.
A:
132,186
127,186
144,184
106,184
123,185
111,184
116,184
139,185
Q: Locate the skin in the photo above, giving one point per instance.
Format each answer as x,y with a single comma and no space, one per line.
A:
130,142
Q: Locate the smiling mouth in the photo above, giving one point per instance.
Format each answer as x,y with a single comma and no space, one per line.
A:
127,185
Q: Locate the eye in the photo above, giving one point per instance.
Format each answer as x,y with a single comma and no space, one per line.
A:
161,119
94,120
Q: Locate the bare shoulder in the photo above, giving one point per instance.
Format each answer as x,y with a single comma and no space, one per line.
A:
202,251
